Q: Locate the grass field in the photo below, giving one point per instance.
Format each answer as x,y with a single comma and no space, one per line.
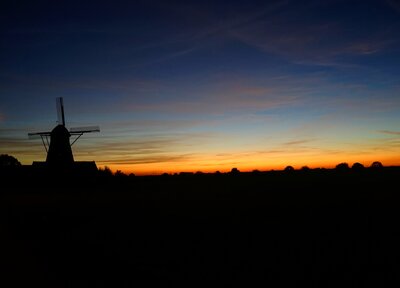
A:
319,228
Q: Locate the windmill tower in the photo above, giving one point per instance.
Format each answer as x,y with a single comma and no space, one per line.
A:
57,141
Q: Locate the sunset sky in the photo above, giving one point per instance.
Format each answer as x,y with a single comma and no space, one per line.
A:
204,85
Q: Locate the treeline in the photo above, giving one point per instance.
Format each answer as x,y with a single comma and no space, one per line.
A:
343,166
10,163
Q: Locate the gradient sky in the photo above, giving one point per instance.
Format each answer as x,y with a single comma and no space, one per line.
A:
204,85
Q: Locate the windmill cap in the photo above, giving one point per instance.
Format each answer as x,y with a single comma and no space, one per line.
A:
60,130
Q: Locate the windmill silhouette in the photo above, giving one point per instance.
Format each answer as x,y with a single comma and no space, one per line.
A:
57,141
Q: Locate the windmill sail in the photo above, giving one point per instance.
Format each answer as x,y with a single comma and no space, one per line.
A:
86,129
78,131
60,111
37,135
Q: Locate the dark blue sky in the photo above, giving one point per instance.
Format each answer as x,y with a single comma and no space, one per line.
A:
204,84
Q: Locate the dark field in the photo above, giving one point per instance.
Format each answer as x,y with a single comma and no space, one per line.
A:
319,228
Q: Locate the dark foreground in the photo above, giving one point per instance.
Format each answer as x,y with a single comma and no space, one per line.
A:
315,228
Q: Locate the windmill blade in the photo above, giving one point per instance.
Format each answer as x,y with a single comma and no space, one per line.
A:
60,111
44,136
38,135
34,136
87,129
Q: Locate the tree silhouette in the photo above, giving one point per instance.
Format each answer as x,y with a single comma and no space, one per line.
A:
106,171
357,166
289,168
8,161
376,164
342,166
119,173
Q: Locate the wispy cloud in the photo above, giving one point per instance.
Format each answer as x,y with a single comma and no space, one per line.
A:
236,94
315,44
141,148
241,93
397,133
51,82
321,42
297,142
149,160
217,105
21,147
6,131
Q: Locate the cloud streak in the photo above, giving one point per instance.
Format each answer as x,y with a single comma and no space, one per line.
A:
297,142
396,133
322,42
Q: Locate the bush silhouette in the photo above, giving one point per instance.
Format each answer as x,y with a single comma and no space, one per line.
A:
8,161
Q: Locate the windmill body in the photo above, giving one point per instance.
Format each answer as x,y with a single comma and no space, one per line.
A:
60,152
57,142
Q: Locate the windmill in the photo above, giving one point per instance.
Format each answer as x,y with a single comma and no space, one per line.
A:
57,142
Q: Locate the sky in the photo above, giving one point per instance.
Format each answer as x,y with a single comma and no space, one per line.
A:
204,85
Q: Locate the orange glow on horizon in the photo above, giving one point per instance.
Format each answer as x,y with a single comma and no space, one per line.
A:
248,166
